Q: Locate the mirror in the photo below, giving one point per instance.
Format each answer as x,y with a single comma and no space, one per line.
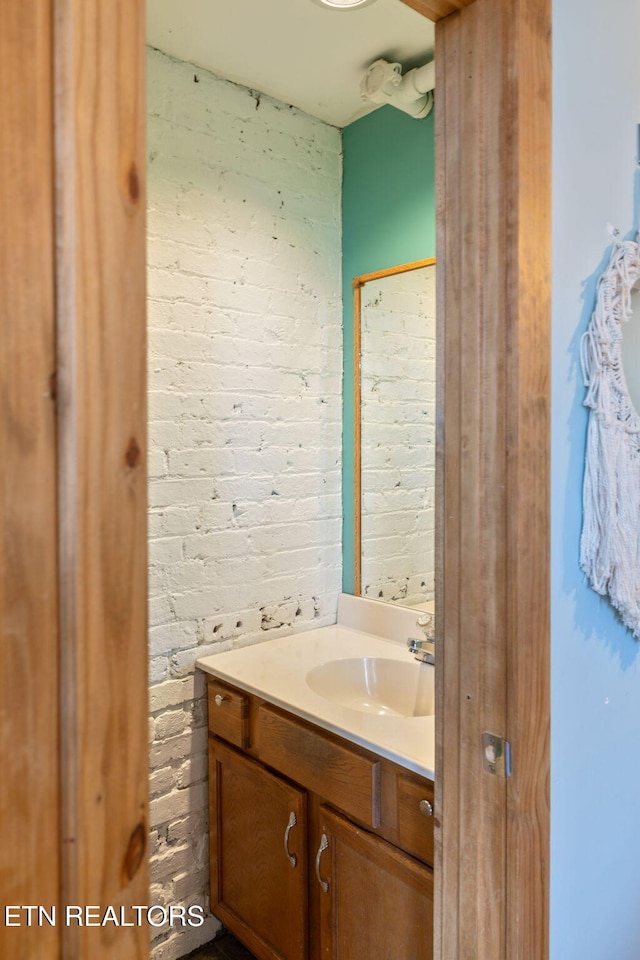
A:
395,434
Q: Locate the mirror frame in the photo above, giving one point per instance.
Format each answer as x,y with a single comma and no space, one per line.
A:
357,284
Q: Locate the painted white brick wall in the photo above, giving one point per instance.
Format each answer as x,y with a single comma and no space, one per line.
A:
398,368
245,354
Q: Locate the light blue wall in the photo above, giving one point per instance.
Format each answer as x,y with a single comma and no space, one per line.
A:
595,742
388,218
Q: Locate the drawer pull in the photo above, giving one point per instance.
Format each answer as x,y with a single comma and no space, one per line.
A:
291,857
426,809
324,843
219,699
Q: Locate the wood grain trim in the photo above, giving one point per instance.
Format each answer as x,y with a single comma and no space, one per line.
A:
437,9
29,707
470,912
475,811
445,847
100,277
358,283
492,836
338,773
392,271
528,98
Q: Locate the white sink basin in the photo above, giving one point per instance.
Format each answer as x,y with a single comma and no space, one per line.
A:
378,685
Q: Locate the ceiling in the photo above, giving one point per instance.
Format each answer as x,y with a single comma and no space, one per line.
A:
294,50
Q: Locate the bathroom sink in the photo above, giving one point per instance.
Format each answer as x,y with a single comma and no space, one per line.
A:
378,685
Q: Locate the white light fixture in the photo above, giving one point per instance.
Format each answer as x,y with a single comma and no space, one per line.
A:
344,4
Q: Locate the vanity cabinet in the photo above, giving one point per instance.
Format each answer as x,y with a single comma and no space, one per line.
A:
320,850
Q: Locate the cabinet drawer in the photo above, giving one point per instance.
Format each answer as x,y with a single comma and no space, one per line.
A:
415,817
336,772
228,713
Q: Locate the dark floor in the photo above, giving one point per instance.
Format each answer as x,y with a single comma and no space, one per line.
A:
224,947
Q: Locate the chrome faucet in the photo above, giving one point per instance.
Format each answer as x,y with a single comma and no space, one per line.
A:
424,649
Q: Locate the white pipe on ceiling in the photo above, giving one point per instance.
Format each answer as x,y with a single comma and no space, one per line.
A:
413,93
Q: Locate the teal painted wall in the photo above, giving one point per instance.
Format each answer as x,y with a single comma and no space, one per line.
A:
388,218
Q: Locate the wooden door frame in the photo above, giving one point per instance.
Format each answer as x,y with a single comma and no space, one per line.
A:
73,596
493,177
29,677
100,150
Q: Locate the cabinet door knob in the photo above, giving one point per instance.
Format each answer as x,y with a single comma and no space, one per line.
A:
324,843
426,809
291,857
219,699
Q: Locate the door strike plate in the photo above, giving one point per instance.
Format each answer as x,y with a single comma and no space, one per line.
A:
496,755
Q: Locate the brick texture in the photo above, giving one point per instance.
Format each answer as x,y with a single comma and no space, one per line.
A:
398,370
245,352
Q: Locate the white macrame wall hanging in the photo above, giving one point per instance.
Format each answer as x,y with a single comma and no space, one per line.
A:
610,544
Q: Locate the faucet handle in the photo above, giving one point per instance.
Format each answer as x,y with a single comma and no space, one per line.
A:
419,648
425,623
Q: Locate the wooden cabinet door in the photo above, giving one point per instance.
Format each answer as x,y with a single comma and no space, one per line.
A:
258,855
375,900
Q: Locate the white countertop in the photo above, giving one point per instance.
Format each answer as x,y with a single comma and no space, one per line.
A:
276,671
